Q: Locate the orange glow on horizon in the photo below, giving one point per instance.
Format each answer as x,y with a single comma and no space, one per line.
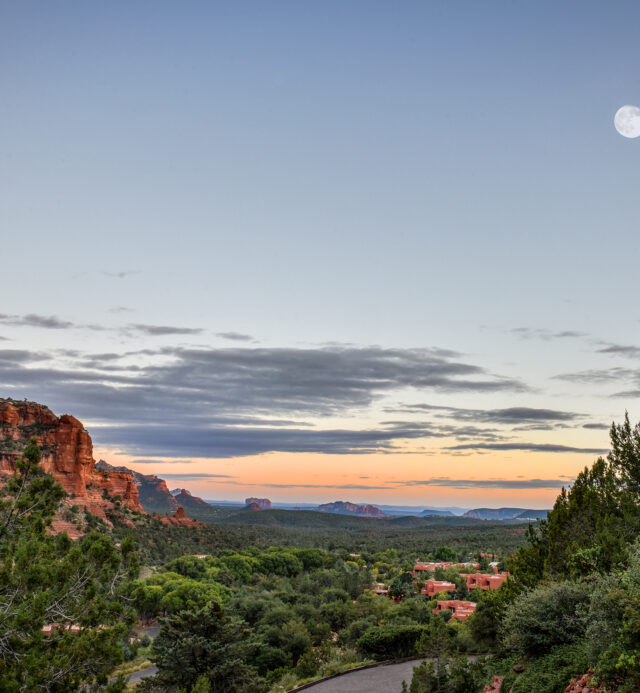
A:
388,479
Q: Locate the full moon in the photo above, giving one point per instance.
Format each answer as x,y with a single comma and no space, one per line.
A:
627,121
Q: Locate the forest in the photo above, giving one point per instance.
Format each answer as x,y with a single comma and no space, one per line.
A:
261,608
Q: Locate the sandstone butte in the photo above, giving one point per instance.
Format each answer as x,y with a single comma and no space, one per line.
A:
67,454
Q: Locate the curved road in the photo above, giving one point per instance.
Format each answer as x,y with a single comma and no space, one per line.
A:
137,676
383,679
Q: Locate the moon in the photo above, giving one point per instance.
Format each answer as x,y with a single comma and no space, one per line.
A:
627,121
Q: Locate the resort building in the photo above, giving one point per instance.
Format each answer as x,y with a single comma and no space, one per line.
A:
460,611
481,581
433,587
421,567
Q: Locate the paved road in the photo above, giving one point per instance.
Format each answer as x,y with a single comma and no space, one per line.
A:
386,679
139,675
151,631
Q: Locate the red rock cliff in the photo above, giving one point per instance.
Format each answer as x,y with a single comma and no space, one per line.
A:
67,454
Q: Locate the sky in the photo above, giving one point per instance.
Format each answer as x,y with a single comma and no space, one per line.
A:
368,251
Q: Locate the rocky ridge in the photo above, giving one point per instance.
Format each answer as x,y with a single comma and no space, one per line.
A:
67,454
346,508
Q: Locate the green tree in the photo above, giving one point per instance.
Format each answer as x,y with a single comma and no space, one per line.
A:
79,589
552,614
436,642
204,642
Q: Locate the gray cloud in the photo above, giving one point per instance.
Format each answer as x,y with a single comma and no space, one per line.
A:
160,330
596,426
510,415
230,441
48,322
489,483
529,447
621,350
240,401
545,334
600,376
235,336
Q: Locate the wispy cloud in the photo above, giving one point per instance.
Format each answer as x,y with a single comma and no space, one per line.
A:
195,476
161,330
235,336
546,334
602,376
224,402
529,447
621,350
48,322
509,415
488,483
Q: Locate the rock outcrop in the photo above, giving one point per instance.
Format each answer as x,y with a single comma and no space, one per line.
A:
186,500
179,519
494,686
582,684
345,508
264,503
152,490
67,454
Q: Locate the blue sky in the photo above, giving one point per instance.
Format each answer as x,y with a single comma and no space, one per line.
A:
415,176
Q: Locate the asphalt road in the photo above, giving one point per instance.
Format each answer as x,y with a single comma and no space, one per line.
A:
385,679
139,675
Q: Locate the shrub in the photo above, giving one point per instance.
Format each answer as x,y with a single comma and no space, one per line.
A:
550,615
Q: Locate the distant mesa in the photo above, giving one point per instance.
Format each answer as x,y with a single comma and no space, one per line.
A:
506,514
433,512
254,506
262,503
346,508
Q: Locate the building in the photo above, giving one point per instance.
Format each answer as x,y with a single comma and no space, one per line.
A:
433,587
421,567
380,588
480,581
460,611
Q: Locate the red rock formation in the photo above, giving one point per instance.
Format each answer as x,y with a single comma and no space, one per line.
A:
253,506
179,519
264,503
153,491
345,508
185,498
494,686
582,684
67,454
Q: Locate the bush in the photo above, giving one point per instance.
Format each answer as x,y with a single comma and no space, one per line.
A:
551,673
390,642
550,615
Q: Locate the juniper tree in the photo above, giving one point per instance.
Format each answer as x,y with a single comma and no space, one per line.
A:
77,588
